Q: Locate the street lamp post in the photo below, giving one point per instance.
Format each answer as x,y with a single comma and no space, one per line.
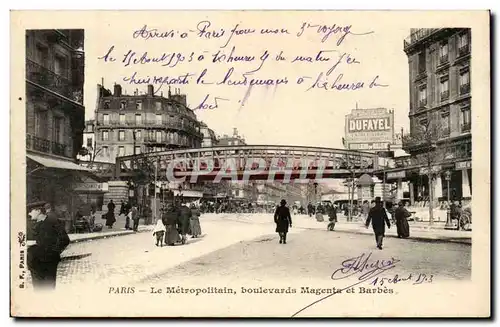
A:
449,224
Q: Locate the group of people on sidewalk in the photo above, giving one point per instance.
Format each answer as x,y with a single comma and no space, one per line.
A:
130,211
177,221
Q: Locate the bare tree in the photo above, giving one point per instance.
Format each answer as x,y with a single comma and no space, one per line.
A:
92,152
430,137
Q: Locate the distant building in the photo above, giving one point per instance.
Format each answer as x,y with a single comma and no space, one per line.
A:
229,140
88,152
133,124
209,137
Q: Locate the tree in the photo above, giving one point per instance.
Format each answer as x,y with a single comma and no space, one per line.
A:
92,151
430,141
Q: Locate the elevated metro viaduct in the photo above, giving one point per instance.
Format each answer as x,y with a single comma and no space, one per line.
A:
255,162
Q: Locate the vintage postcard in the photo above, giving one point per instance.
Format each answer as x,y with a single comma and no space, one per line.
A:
250,164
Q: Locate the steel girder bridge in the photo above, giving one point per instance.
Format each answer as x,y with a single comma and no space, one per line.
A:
278,162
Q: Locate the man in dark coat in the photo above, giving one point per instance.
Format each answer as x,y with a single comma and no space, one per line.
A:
283,220
378,218
110,216
332,217
45,255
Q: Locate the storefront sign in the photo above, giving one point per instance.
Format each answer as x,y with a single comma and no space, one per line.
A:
90,187
396,175
434,170
463,165
369,126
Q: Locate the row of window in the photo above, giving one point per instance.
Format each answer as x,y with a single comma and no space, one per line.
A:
42,123
48,57
462,49
105,151
444,87
138,105
138,120
445,121
150,136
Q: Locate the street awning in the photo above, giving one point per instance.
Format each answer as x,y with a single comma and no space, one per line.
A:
56,163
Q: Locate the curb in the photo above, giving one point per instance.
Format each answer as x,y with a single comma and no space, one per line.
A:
97,237
466,241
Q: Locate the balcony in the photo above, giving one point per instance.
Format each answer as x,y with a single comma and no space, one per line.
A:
465,128
443,59
444,133
445,95
419,35
464,89
38,144
46,78
463,50
422,103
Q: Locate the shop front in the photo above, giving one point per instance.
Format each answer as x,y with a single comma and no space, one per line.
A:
51,180
91,195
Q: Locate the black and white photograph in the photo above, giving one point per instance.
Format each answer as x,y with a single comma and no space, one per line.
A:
250,164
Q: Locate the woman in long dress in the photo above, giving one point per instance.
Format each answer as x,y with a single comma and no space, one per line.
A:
401,216
194,222
169,219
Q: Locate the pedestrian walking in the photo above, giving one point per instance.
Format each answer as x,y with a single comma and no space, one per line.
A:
195,221
110,215
283,220
401,216
378,218
135,217
332,217
45,255
169,219
184,221
159,232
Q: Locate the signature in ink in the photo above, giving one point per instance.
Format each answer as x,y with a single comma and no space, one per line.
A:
206,104
359,265
362,266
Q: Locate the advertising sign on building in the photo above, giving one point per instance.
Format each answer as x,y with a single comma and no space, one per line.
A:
369,129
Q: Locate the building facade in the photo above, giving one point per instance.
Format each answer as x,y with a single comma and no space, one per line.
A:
133,124
231,140
439,142
54,117
209,137
88,146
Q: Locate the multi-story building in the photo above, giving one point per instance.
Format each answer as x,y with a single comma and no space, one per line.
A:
88,151
133,124
440,113
209,137
228,140
54,115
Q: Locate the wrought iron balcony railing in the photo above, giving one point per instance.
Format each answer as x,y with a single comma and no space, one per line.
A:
463,50
443,59
445,95
419,35
464,89
56,83
43,145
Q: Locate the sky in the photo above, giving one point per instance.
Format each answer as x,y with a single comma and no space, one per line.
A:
298,111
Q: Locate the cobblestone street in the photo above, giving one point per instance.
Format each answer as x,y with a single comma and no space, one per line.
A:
242,251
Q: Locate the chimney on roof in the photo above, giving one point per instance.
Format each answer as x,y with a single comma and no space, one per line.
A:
235,131
151,90
117,90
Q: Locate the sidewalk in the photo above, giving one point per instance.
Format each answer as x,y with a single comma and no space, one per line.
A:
105,233
420,231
